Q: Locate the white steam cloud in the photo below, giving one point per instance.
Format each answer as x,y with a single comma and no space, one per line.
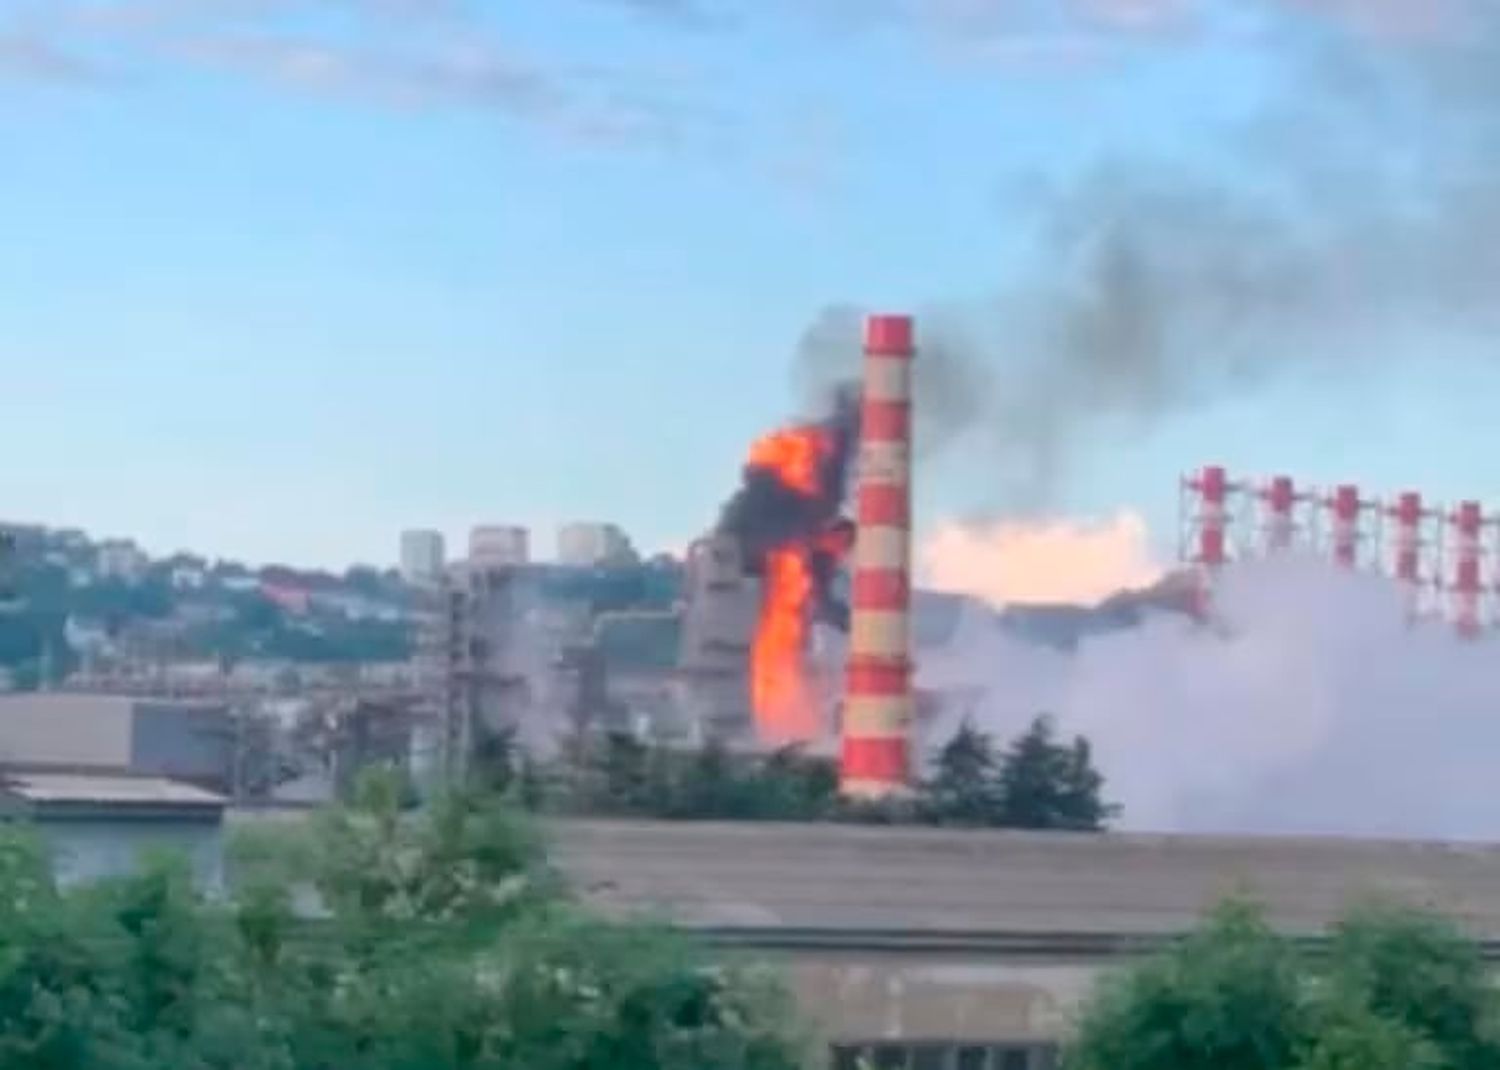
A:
1314,708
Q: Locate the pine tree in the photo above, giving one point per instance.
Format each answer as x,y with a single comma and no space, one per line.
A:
1049,785
965,790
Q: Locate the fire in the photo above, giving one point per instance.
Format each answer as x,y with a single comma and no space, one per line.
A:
796,457
782,693
784,701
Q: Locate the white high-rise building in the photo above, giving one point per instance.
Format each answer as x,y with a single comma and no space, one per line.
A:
422,556
499,546
589,544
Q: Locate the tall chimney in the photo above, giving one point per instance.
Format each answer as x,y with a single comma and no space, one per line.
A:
878,698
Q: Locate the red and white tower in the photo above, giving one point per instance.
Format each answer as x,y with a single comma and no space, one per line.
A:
1207,507
1412,545
1280,525
1346,510
878,708
1466,589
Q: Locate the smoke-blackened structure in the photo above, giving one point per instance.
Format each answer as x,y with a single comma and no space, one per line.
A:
792,491
786,521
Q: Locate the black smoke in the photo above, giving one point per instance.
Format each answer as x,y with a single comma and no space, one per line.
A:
765,514
1353,219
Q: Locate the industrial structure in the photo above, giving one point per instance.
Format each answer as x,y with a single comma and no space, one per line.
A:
912,947
1446,560
877,718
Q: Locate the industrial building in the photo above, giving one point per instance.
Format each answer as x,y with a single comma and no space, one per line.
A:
1446,559
104,778
719,609
958,949
189,741
99,825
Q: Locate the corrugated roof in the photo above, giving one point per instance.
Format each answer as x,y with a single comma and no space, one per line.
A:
105,789
837,878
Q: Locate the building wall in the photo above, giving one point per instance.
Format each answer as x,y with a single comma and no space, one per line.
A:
66,729
498,545
422,556
188,742
870,997
718,622
90,849
593,544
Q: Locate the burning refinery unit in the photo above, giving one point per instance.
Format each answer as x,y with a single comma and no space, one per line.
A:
796,618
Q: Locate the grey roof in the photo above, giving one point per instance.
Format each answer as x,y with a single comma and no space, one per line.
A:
841,880
104,789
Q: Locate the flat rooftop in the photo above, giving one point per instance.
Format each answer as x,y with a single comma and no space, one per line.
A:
864,885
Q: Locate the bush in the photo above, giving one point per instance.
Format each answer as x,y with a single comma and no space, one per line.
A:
443,944
1398,991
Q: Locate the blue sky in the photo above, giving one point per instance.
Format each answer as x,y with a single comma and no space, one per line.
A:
281,277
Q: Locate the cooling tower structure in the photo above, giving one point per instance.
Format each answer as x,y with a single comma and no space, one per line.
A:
1446,561
878,704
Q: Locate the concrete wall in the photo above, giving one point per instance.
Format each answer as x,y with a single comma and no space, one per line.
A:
89,849
65,729
187,742
910,997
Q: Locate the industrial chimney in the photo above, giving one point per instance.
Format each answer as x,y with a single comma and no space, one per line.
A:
878,698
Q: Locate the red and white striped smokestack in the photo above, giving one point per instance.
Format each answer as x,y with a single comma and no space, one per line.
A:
875,762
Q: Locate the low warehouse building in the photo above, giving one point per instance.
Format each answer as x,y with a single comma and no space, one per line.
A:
930,949
102,825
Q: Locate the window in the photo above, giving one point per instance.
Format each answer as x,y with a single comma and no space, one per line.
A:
941,1055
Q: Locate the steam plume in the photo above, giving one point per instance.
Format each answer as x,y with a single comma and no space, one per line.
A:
1316,710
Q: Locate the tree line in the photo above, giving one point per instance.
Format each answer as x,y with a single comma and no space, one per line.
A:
1038,781
443,941
1395,990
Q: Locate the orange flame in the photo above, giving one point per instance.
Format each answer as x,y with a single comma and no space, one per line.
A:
795,455
785,705
781,691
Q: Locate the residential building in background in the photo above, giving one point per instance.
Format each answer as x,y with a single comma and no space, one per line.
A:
423,556
499,546
121,559
593,545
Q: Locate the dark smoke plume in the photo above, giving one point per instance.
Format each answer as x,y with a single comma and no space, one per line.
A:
1359,223
765,513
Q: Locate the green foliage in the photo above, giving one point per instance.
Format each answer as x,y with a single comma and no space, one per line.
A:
1038,783
1398,991
965,789
1045,784
1227,999
443,945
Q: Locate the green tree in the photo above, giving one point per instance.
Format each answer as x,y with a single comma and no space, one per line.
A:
965,789
1422,976
1398,991
1045,784
1228,998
